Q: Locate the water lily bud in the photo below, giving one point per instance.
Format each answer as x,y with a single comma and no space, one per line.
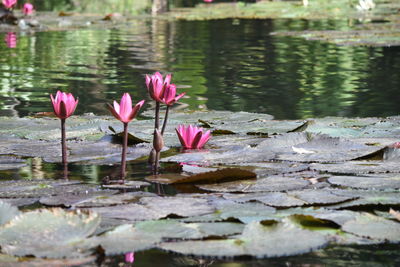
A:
158,140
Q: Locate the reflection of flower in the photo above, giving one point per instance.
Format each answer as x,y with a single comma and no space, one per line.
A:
192,137
64,104
124,111
130,257
11,40
9,3
27,9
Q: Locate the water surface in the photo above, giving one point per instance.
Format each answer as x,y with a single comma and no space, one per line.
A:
222,65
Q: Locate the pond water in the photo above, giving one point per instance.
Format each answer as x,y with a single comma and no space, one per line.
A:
222,65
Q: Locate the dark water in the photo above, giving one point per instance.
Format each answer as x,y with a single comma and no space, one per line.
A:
224,65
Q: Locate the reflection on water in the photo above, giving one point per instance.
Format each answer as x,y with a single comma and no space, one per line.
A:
224,65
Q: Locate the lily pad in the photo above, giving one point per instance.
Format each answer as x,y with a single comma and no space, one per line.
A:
122,239
47,233
181,206
245,212
368,225
367,182
270,184
7,212
73,199
257,240
358,167
11,162
367,198
220,175
323,148
40,188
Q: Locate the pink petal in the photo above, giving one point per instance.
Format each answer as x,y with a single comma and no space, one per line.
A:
135,110
180,136
204,139
168,79
125,106
116,107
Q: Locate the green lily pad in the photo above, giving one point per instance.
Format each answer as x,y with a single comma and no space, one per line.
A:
367,198
270,184
40,188
111,200
245,212
7,212
367,182
370,226
323,148
358,167
122,239
181,206
73,199
47,233
274,199
257,240
171,229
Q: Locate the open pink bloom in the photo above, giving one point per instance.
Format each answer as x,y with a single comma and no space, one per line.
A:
11,40
169,96
124,111
64,104
130,257
9,3
156,85
208,1
27,9
192,137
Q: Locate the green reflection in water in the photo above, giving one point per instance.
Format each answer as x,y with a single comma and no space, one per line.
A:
226,65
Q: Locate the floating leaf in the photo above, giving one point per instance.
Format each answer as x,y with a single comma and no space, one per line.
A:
11,162
324,148
122,239
367,198
368,225
257,240
367,182
220,175
72,199
270,184
181,206
275,199
7,212
132,140
358,167
47,233
246,212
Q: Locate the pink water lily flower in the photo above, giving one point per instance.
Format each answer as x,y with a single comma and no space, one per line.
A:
208,1
11,40
9,3
27,9
156,85
124,111
192,137
64,104
169,96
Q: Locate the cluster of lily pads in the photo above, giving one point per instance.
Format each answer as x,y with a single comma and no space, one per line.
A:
263,188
